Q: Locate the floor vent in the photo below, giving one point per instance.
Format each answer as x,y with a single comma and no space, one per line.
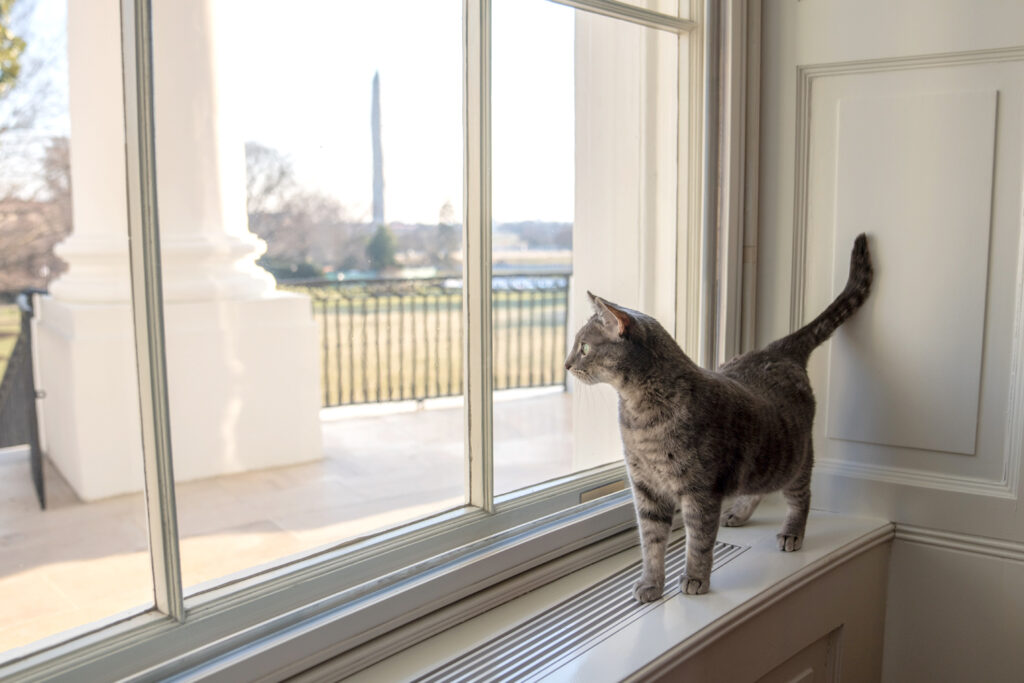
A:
541,644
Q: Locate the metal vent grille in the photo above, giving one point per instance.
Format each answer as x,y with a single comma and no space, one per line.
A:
544,642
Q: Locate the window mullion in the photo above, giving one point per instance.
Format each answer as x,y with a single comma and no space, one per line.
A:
710,184
476,264
147,305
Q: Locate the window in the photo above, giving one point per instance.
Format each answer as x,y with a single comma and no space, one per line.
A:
376,236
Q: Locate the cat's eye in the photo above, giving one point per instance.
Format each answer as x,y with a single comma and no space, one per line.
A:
584,348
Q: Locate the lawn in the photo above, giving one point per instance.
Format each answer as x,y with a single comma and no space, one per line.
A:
10,324
394,348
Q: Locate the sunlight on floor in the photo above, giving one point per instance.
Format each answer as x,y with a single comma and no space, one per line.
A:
76,563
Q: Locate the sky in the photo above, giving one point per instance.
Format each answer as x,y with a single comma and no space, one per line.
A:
303,78
310,97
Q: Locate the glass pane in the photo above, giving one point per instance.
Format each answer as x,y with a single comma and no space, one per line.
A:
85,556
315,388
585,185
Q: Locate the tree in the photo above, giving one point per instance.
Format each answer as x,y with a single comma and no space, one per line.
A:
11,48
269,179
380,250
35,173
448,238
31,226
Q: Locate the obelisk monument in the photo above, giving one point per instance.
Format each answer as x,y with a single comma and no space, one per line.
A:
378,155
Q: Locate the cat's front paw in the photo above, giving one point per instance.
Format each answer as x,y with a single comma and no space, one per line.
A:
789,542
646,590
689,585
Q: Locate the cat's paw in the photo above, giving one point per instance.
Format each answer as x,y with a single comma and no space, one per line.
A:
647,591
691,586
730,518
790,542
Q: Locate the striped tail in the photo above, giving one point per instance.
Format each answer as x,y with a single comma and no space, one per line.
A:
800,344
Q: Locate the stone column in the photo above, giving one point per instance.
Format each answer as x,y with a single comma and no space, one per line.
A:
242,357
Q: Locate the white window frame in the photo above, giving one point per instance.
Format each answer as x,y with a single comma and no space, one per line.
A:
281,619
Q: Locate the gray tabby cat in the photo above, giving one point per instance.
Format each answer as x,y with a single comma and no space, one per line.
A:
698,436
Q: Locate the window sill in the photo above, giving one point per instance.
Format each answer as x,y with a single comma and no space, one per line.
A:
679,626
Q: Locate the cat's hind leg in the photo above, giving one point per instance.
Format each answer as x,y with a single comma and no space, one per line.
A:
740,510
798,498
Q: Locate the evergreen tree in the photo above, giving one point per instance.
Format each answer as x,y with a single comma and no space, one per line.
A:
380,250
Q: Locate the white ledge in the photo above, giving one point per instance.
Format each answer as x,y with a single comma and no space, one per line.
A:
740,589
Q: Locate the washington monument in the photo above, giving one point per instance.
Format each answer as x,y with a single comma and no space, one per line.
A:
378,155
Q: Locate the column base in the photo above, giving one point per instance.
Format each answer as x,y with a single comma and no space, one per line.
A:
243,385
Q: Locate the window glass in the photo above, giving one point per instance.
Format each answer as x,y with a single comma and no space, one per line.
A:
84,557
315,381
309,169
585,194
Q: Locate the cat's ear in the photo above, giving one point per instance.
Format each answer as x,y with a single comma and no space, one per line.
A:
612,315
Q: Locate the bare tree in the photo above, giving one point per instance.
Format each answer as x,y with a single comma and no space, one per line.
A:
269,179
35,174
306,231
30,227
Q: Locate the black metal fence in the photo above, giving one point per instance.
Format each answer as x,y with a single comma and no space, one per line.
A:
399,339
18,424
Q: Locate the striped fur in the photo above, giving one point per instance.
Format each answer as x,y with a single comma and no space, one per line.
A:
692,437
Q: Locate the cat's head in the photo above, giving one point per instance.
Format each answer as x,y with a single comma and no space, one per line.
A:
605,347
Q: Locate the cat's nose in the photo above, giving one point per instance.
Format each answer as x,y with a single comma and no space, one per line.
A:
568,365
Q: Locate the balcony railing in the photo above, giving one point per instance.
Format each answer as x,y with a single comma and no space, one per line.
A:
400,339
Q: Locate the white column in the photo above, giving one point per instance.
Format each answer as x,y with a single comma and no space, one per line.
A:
242,357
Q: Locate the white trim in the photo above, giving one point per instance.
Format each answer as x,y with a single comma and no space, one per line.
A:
966,543
765,600
751,182
632,13
476,241
1007,486
710,184
688,264
448,617
902,476
746,587
805,77
147,306
286,646
736,178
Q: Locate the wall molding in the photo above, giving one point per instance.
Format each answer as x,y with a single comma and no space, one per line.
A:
806,75
902,476
1007,485
966,543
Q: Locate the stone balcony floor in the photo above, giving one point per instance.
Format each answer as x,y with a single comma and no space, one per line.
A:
75,563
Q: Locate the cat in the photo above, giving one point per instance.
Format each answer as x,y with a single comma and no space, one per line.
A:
695,436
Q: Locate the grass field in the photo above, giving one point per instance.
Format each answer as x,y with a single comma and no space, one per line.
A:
10,324
396,348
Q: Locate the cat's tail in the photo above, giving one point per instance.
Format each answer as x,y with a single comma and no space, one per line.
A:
807,338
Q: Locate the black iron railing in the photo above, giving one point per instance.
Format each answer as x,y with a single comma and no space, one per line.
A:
401,339
18,424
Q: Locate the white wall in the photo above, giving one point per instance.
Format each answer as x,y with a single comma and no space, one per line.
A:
906,120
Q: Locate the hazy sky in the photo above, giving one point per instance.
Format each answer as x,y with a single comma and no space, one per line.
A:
303,71
309,95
